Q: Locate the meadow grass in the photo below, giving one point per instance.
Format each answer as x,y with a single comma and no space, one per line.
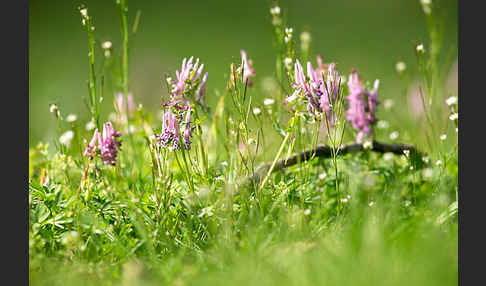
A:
158,212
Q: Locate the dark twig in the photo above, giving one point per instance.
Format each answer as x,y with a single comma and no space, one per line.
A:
324,151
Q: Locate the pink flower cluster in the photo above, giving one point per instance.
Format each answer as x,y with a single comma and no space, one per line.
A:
170,130
107,143
317,88
362,106
187,84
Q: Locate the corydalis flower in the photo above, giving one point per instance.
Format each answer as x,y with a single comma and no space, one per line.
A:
107,143
318,88
187,84
170,131
247,66
362,106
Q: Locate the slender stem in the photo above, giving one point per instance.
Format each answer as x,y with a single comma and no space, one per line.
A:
124,21
275,160
202,153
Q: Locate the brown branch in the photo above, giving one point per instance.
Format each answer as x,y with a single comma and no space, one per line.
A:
324,151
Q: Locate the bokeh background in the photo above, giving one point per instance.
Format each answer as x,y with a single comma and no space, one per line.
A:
370,35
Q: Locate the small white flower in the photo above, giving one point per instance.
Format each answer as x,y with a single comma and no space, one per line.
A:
420,48
90,125
289,31
307,212
394,135
382,124
388,156
288,63
443,137
453,116
287,38
407,203
368,145
84,12
66,138
71,118
406,152
323,175
224,164
457,130
400,67
438,163
106,45
344,200
275,10
425,159
257,111
451,100
251,141
411,168
372,203
388,103
53,108
269,101
426,6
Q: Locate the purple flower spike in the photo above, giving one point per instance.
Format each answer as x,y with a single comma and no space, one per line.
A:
188,84
313,88
248,70
362,106
373,101
107,143
170,131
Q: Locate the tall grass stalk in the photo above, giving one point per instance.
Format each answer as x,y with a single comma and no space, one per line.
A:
94,101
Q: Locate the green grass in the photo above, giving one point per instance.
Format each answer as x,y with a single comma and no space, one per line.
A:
162,217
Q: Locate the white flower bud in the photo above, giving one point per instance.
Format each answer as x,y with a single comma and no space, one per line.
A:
451,100
420,49
400,67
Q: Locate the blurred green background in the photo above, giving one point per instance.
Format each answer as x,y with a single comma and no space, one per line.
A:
370,35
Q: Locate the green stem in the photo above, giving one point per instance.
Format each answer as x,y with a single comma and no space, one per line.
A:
284,142
202,153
